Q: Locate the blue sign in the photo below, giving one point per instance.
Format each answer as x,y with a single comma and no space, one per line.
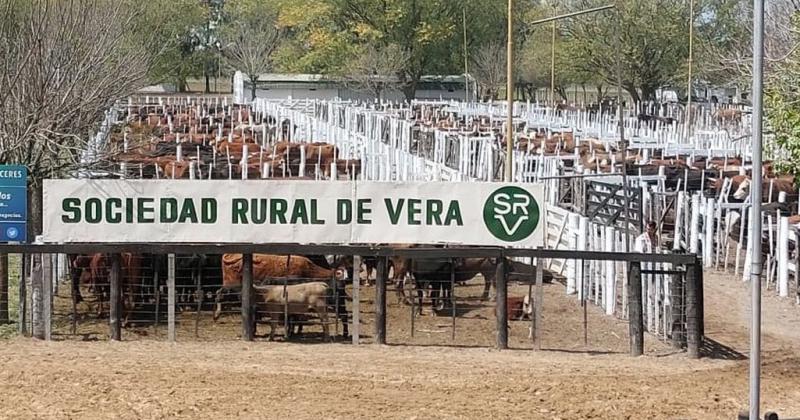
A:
13,203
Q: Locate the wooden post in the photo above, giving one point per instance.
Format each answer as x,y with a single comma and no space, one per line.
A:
47,296
380,302
171,297
356,299
115,300
4,280
37,326
693,337
23,295
796,271
198,278
501,313
635,318
248,318
453,297
538,303
676,297
156,292
701,304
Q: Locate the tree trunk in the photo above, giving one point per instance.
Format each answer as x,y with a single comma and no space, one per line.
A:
4,289
633,92
37,298
208,81
562,92
410,90
181,82
583,88
254,84
599,93
34,229
34,210
648,92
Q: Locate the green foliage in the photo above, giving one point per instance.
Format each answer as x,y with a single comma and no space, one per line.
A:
723,41
782,105
647,38
178,27
329,34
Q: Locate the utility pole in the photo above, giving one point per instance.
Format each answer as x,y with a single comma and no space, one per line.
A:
623,145
466,69
755,199
688,122
510,75
510,93
553,65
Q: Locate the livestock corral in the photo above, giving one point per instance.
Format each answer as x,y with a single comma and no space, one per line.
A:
206,138
586,291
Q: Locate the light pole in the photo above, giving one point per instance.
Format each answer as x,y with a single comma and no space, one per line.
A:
688,128
510,92
510,76
755,198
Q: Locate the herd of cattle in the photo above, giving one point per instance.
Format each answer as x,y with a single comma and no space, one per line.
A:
314,284
204,142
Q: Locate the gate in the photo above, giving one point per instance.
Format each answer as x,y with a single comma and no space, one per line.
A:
605,204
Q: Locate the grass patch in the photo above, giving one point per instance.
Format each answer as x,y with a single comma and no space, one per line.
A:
14,268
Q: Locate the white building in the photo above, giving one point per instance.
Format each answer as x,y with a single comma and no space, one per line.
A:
317,86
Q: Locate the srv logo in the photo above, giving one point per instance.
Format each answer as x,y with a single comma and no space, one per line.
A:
511,214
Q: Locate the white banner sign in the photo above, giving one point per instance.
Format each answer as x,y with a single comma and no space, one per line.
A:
302,212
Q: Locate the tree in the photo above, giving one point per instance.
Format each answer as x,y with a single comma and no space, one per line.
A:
63,64
176,29
782,103
650,55
375,70
489,68
250,38
330,33
724,35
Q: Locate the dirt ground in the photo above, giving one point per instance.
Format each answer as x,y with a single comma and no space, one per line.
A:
427,376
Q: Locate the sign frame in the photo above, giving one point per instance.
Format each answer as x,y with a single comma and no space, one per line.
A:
267,211
13,203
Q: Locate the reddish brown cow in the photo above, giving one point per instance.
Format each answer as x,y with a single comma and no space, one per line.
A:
770,189
267,266
97,278
171,168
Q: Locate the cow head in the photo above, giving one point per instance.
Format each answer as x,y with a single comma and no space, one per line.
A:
743,191
341,274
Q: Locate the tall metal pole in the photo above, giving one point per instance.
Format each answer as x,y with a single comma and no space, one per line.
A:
623,146
688,127
510,76
466,70
553,65
755,199
510,92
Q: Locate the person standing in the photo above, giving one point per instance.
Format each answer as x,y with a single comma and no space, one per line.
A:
647,242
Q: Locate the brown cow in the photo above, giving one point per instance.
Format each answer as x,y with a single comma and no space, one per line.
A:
770,189
97,277
267,266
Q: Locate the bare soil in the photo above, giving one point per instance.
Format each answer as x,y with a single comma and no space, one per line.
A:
430,375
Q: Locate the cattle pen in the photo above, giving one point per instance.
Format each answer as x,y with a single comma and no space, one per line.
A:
571,153
686,313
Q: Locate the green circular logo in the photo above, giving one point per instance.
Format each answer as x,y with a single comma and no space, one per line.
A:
511,214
